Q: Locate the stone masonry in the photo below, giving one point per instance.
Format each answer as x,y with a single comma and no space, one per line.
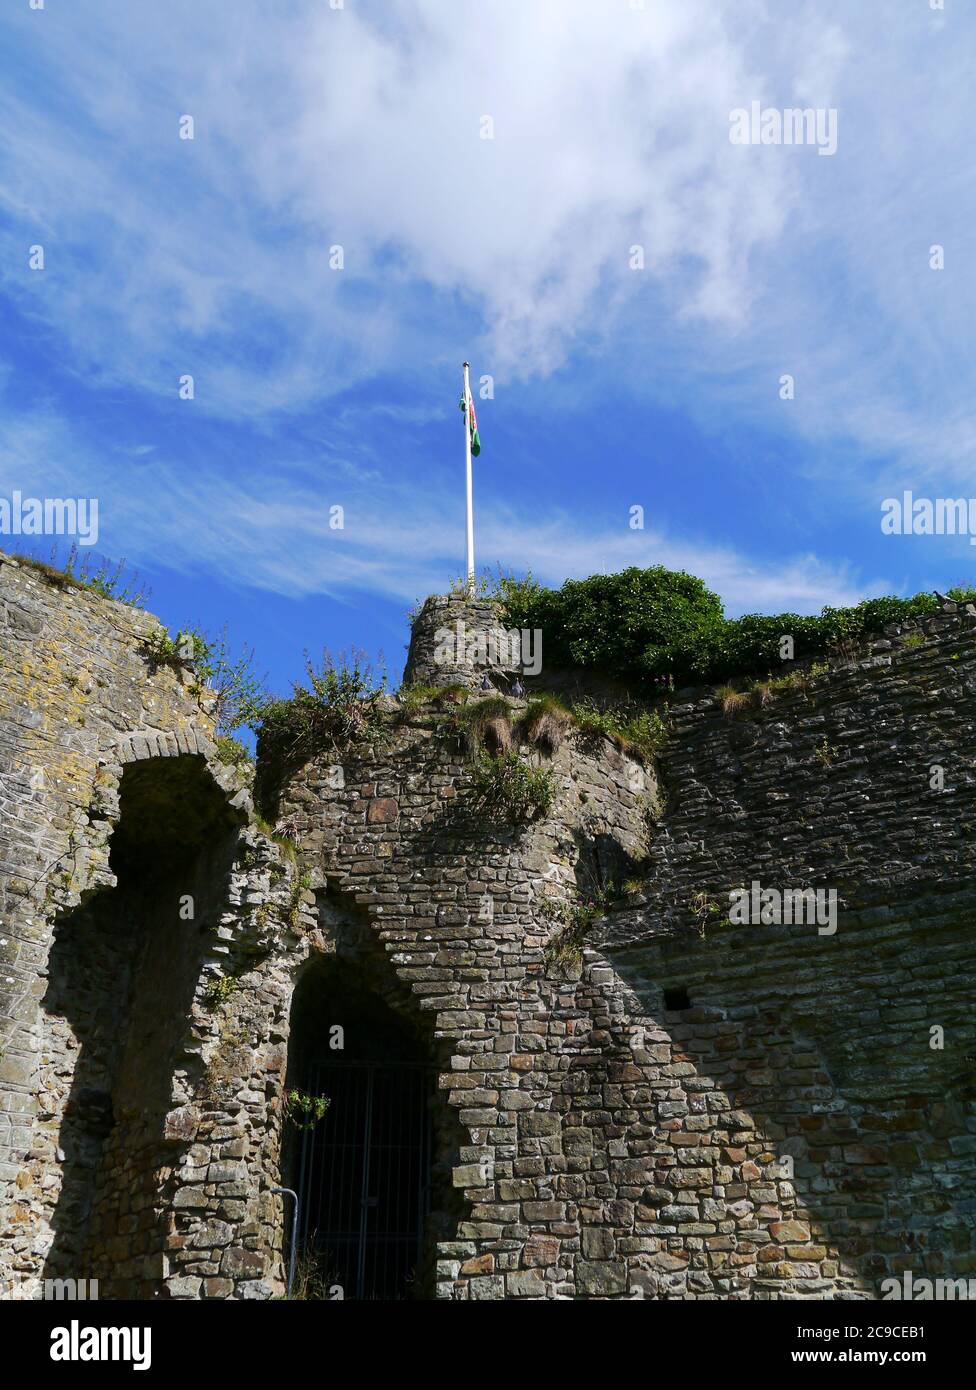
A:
672,1106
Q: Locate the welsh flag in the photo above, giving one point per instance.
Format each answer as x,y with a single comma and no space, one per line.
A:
472,426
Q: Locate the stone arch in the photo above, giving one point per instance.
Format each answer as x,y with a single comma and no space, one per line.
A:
387,1127
124,964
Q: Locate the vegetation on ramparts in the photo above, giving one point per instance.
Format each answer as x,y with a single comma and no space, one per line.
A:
643,625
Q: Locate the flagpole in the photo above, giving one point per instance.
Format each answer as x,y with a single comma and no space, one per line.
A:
470,486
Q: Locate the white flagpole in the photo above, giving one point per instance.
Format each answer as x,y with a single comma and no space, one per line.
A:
470,487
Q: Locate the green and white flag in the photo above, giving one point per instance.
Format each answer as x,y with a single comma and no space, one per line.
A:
472,426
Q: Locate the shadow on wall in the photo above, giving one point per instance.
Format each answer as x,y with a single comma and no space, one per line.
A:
844,1162
603,865
122,974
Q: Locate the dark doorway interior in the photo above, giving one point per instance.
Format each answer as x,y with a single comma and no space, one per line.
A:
363,1174
123,969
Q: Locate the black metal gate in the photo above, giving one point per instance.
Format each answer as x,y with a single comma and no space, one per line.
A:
364,1176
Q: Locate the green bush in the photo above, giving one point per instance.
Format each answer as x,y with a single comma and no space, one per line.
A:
645,624
509,789
328,713
752,643
636,624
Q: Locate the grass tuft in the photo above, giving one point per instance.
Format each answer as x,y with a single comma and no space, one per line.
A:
546,723
486,724
731,699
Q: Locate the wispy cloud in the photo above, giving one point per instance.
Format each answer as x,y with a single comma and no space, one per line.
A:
361,128
397,541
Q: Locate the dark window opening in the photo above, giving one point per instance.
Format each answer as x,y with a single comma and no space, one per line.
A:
676,998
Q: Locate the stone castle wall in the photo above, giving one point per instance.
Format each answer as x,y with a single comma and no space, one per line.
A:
667,1107
853,1052
131,878
459,906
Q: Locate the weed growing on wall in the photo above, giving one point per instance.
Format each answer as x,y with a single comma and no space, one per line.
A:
507,788
232,752
638,732
109,579
706,911
572,923
219,990
305,1111
237,692
330,711
301,885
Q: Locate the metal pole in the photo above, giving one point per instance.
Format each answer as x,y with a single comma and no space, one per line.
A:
470,486
294,1234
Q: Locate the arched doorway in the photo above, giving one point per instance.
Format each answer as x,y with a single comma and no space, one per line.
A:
366,1174
122,972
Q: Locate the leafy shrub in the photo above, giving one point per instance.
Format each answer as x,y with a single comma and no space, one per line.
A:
752,643
637,624
644,624
328,713
508,788
179,652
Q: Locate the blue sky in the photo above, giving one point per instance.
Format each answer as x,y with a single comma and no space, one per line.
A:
361,127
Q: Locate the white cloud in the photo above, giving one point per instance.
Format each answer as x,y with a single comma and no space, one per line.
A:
360,126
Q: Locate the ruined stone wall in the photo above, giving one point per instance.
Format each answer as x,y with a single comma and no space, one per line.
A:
672,1107
119,1079
805,1044
701,1113
458,904
464,637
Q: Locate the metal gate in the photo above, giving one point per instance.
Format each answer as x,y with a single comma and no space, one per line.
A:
364,1176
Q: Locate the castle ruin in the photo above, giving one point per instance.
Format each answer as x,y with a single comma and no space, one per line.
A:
666,1105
